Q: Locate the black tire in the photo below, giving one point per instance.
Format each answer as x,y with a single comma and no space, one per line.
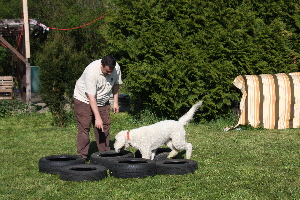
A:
83,172
53,164
161,153
105,157
161,156
176,166
132,168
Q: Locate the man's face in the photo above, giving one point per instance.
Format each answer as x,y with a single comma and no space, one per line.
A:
106,70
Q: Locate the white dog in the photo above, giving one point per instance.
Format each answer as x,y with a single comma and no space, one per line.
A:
148,138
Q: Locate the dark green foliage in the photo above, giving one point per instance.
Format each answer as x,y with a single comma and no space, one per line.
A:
177,52
60,67
9,107
5,58
11,9
70,15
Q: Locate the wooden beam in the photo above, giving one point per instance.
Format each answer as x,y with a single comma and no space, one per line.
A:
27,53
10,47
26,29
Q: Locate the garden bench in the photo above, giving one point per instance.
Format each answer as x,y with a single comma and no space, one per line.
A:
6,87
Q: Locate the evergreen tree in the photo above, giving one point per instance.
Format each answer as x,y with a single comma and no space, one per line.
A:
180,51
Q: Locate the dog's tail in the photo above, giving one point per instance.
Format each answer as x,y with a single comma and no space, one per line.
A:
189,115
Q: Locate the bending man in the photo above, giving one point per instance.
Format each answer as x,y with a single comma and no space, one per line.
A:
91,102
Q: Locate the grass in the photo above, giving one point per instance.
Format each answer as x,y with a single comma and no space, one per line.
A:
245,164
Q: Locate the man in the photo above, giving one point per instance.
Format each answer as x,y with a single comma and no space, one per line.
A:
91,102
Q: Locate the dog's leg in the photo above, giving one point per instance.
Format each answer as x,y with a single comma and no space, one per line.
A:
188,149
146,155
153,153
174,152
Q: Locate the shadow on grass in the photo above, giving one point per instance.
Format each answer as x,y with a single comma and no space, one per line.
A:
180,155
93,148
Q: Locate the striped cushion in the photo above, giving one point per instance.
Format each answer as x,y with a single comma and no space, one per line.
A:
271,101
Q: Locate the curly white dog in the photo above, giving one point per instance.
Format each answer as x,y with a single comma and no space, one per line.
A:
148,138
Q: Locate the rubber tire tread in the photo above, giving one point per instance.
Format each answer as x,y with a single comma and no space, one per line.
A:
53,164
102,157
124,168
161,156
176,166
80,173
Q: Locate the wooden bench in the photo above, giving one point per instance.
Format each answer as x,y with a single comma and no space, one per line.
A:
6,87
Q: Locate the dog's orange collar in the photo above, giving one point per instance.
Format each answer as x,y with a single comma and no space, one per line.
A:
128,136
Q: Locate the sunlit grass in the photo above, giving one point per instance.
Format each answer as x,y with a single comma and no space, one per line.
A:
245,164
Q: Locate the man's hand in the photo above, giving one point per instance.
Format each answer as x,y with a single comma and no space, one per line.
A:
94,107
116,108
99,124
115,90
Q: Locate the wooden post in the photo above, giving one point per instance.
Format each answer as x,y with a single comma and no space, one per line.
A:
27,52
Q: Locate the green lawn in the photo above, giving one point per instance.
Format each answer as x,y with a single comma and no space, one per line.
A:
245,164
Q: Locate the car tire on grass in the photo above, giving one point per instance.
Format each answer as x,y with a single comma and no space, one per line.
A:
105,157
83,172
132,168
161,156
176,166
53,164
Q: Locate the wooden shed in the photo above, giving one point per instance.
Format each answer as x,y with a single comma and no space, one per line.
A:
16,28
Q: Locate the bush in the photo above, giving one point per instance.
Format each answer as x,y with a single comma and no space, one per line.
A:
10,107
5,59
60,67
177,52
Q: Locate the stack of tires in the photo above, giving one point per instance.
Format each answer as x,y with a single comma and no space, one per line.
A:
119,165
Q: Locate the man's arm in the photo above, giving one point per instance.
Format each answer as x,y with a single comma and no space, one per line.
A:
115,91
94,107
